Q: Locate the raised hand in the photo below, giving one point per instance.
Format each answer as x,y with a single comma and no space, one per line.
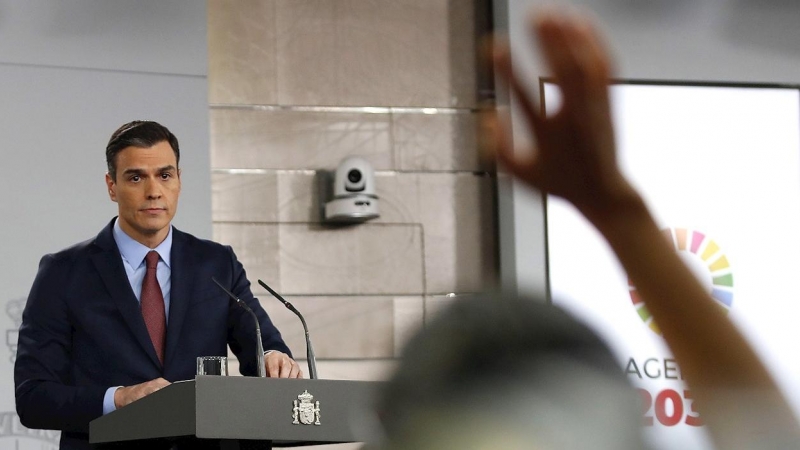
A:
575,156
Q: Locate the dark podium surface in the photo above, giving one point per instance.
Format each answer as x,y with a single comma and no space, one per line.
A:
245,408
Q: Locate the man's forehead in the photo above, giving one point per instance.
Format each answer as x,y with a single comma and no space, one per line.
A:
159,155
140,169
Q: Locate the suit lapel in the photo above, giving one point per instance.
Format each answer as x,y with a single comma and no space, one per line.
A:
109,265
180,292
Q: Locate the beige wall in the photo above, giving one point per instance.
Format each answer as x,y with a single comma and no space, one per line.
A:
290,81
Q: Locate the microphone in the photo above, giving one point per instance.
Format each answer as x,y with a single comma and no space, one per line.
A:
312,360
262,371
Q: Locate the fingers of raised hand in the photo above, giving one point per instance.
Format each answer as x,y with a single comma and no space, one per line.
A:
502,61
575,53
497,137
495,131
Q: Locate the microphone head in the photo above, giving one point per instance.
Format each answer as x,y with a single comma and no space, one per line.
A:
288,305
274,294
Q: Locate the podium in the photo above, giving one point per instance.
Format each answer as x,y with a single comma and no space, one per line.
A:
229,409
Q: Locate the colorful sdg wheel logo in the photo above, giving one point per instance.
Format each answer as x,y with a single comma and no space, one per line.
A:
705,259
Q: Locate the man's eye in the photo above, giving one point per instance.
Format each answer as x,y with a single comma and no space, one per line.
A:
166,176
136,178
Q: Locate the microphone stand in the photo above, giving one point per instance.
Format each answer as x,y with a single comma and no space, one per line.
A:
262,371
312,359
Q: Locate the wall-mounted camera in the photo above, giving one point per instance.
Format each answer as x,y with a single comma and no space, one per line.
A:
354,199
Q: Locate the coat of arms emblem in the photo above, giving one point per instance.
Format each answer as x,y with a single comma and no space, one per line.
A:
306,411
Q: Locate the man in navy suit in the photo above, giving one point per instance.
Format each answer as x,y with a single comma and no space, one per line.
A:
91,340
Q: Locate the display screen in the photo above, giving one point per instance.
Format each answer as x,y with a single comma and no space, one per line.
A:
719,167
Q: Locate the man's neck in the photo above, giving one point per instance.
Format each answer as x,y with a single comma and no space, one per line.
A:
148,240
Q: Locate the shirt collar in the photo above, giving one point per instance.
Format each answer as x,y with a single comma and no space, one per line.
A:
134,252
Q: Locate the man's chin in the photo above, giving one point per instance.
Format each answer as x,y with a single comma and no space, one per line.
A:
153,227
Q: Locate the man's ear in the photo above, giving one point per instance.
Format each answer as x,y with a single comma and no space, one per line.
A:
112,188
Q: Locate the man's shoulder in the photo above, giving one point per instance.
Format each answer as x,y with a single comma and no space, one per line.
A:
73,252
103,241
66,263
195,243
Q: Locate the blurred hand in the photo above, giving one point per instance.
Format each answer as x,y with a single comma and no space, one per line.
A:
575,158
575,155
129,394
280,365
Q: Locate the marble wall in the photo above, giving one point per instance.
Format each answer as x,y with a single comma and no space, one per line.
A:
297,85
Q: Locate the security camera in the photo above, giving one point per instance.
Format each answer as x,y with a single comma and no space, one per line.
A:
354,176
354,198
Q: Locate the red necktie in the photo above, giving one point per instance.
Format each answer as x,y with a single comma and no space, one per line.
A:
153,305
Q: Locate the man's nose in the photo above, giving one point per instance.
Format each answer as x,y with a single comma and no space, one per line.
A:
152,189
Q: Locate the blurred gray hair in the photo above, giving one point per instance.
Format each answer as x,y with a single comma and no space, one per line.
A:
491,371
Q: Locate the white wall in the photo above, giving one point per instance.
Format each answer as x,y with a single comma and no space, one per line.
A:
700,40
71,72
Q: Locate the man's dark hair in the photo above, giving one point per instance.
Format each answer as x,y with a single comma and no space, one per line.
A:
139,133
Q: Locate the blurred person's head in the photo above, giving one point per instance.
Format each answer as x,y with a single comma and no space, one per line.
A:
504,372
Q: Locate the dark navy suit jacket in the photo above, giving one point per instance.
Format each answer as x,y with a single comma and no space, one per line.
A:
82,331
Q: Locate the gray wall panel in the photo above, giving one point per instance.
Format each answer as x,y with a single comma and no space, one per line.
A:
71,72
56,123
142,36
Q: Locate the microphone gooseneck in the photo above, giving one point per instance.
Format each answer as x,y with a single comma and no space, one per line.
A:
262,371
312,359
